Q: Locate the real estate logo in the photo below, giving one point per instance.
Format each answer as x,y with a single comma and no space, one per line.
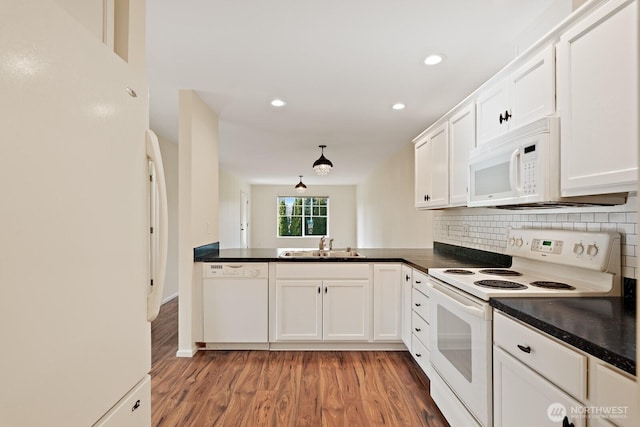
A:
556,412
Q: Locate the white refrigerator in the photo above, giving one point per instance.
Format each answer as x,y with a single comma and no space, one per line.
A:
75,216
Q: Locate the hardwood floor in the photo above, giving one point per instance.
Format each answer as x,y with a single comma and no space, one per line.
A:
284,388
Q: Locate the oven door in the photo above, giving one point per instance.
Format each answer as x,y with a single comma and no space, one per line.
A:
460,343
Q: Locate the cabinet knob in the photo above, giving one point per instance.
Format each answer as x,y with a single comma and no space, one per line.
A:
407,277
417,304
506,117
417,329
427,197
418,355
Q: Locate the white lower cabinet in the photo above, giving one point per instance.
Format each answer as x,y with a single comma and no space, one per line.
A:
387,302
299,310
524,398
322,302
314,310
407,282
613,395
540,381
420,321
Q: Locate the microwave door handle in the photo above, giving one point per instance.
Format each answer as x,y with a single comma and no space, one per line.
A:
514,171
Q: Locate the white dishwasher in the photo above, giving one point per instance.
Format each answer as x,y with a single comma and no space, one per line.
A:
235,305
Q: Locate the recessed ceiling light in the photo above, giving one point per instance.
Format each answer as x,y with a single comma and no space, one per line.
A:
398,106
278,103
433,59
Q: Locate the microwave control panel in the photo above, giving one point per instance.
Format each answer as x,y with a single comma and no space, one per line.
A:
529,160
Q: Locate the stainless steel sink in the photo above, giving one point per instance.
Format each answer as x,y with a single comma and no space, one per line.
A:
315,253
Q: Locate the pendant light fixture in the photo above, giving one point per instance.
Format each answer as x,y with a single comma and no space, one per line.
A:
322,166
300,187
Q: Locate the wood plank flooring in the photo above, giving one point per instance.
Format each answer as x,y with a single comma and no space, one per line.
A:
284,388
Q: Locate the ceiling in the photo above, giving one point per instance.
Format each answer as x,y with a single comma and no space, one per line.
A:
340,65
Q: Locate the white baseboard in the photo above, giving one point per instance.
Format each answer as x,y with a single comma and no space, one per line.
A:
186,352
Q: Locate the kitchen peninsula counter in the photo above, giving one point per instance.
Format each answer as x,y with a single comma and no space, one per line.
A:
604,327
441,256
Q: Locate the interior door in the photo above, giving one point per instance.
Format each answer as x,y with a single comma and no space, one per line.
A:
244,220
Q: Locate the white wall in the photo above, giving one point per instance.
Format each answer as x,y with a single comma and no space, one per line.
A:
197,208
229,207
386,215
264,212
169,151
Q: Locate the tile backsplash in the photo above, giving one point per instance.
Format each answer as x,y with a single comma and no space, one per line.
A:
486,229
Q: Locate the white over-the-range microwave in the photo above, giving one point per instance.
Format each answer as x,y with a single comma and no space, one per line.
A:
521,169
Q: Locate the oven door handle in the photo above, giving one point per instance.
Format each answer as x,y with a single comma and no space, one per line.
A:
464,304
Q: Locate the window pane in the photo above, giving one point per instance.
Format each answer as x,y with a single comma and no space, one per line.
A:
302,216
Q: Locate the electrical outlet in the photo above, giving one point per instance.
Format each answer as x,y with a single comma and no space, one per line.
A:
465,230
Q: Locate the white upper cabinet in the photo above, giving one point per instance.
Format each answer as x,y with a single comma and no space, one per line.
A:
491,106
462,139
598,101
527,94
432,168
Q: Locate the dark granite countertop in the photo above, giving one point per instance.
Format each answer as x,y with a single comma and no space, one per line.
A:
442,256
604,327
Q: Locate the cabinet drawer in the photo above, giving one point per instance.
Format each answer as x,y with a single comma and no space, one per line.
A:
559,364
420,328
421,355
615,392
321,270
420,304
420,281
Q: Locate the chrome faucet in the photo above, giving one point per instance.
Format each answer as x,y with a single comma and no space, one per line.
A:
330,244
322,243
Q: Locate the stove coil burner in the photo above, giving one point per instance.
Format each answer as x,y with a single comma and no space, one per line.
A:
500,272
500,284
458,271
552,285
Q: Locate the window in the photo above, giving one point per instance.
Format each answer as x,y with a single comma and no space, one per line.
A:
303,216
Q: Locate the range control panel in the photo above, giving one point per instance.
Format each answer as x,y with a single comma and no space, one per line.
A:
237,270
592,250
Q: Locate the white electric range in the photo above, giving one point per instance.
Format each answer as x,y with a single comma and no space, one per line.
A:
545,263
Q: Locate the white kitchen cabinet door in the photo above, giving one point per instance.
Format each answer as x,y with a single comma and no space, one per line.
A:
432,169
387,302
492,106
613,391
299,310
526,95
422,179
407,280
462,139
532,89
235,310
346,310
597,62
525,399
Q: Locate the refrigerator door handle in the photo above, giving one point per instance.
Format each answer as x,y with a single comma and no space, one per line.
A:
154,298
